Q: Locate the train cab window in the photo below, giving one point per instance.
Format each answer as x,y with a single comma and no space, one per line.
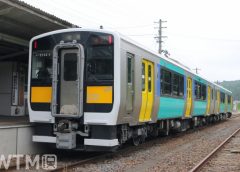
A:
149,78
166,82
42,67
99,59
143,77
70,67
178,85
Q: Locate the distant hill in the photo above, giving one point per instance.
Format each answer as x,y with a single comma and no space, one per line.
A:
233,86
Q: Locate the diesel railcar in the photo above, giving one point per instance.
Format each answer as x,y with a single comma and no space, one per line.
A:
95,90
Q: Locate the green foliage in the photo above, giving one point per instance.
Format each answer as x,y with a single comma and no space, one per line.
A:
233,86
238,107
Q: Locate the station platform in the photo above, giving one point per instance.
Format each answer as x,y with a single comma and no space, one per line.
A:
13,121
16,136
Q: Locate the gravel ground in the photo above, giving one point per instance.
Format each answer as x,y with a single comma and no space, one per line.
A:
227,160
174,153
178,152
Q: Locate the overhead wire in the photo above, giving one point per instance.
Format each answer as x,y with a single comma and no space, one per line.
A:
142,35
136,26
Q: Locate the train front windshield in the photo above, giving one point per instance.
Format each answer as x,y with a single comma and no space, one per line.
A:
98,62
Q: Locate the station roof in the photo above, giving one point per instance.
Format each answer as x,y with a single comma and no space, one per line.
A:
19,22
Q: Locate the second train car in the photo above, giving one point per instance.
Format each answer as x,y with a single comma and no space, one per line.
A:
95,90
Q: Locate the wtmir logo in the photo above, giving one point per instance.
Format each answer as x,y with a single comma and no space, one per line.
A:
45,162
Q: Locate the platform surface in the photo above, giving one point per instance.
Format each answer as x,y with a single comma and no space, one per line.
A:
14,121
16,136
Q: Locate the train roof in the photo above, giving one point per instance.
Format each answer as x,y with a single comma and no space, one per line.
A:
174,62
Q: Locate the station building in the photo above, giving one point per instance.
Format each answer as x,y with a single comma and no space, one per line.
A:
19,22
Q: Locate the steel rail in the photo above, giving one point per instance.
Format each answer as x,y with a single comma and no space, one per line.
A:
208,157
79,163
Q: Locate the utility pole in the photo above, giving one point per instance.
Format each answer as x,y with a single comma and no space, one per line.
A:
159,37
196,69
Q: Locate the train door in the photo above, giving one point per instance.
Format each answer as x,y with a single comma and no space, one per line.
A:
209,90
130,82
189,97
68,82
212,104
67,94
147,91
218,101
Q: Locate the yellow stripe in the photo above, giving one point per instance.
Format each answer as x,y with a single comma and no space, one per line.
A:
99,94
41,94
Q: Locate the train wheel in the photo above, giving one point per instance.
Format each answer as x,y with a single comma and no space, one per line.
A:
155,132
136,140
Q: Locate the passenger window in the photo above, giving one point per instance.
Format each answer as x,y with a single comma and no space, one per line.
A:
149,78
129,65
212,94
70,67
197,90
178,85
229,99
181,86
166,82
175,85
222,97
143,76
200,91
204,90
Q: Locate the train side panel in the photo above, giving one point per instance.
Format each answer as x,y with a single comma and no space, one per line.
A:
200,97
138,54
171,106
199,108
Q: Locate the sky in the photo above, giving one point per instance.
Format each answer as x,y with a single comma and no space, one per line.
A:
203,34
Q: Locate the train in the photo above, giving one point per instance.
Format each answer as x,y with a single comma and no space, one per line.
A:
95,90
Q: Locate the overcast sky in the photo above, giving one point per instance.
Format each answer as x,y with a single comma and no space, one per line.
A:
201,33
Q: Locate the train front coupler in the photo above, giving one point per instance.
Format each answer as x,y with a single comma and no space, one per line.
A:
68,133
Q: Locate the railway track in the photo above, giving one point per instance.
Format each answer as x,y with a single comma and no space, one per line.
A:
74,166
78,164
210,155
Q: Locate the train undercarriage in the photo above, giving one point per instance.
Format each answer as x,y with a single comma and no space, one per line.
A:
70,135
